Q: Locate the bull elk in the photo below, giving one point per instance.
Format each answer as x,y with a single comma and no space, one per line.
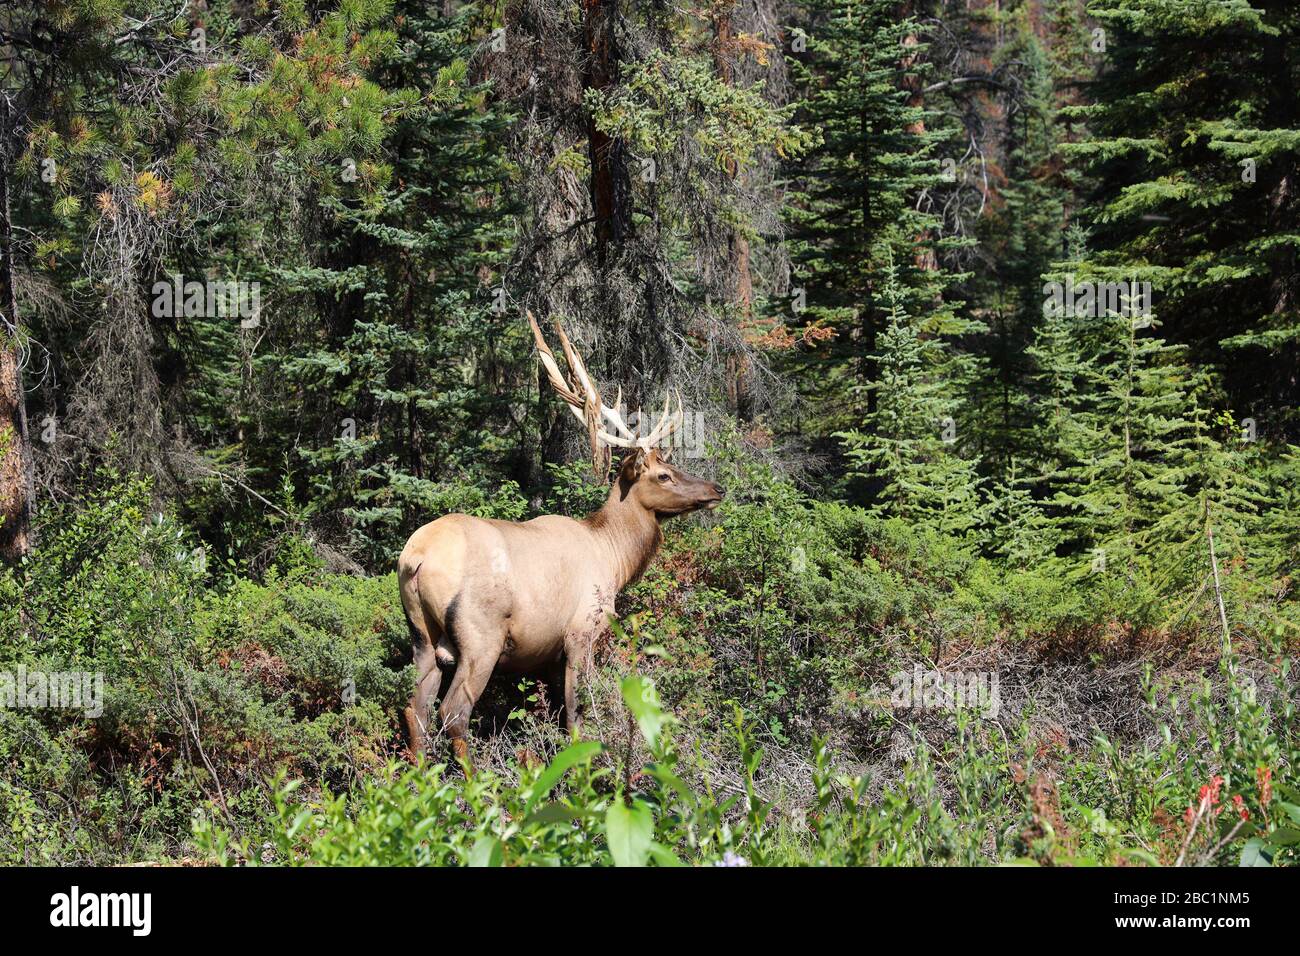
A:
532,597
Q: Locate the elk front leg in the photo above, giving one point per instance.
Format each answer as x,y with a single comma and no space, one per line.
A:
579,646
572,716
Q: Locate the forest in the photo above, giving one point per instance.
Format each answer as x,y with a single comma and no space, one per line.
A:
985,313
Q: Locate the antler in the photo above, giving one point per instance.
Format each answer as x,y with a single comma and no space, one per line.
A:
587,406
665,426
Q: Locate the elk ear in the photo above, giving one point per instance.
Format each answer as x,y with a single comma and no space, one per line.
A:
630,470
665,454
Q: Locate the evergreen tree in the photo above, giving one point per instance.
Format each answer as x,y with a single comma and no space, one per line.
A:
1121,445
407,402
1280,518
907,444
1013,526
1219,493
856,215
136,167
1194,149
1019,241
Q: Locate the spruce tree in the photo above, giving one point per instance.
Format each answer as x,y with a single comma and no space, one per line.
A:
400,401
856,214
1219,495
1194,150
907,444
1019,242
1121,446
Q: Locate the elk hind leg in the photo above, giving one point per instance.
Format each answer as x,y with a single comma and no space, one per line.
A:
472,674
428,677
426,638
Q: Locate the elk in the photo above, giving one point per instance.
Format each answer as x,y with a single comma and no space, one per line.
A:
532,597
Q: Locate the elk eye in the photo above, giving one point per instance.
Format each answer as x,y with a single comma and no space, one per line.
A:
664,476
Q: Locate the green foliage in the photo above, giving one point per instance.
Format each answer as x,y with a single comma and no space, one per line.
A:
856,224
204,689
904,446
1192,136
219,694
941,468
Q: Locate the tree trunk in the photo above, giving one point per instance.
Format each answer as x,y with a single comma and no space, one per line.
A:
16,485
610,187
741,282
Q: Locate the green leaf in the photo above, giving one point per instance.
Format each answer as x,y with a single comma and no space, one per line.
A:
1134,853
670,779
664,856
487,852
1291,810
557,813
629,832
640,696
558,767
1253,853
1284,836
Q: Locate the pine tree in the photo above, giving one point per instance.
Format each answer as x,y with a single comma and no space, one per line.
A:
400,399
145,160
907,444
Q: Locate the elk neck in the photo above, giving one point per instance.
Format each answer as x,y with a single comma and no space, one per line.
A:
627,535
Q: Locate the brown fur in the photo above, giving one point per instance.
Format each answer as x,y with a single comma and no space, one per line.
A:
529,596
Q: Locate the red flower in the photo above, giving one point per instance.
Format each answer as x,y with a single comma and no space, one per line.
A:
1264,776
1240,806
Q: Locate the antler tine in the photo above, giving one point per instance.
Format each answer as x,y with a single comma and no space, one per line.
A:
558,381
667,424
610,415
618,440
576,365
658,431
615,417
677,419
587,407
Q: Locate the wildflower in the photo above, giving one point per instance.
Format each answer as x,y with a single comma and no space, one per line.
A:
1209,796
731,859
1264,776
1240,806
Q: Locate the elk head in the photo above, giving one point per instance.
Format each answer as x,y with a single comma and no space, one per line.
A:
645,476
651,482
